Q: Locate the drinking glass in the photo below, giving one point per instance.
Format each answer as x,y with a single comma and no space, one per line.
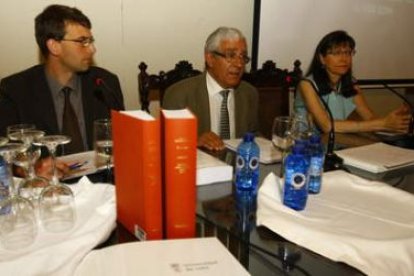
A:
57,211
18,225
19,128
3,140
102,133
32,185
301,127
282,136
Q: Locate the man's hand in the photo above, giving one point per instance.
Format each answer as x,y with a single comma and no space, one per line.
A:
210,141
44,168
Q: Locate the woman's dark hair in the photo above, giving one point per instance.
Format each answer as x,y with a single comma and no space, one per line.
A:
51,24
318,70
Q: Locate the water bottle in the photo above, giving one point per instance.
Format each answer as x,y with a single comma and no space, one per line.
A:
295,192
4,184
247,164
317,157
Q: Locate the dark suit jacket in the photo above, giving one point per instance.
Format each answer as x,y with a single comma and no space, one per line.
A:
25,97
192,93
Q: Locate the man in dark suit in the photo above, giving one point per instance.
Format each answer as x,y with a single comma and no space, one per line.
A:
38,95
225,56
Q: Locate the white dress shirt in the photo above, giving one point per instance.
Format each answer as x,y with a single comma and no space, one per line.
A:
215,99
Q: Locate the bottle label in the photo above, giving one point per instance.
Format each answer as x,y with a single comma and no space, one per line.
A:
316,165
298,180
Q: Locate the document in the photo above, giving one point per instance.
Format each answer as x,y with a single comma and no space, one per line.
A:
200,256
211,169
377,157
268,153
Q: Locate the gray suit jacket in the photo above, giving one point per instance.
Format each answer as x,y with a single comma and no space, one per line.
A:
192,93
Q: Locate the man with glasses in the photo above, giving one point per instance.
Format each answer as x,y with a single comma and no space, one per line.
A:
64,94
226,107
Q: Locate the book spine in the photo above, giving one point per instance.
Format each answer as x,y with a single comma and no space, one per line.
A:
137,160
180,153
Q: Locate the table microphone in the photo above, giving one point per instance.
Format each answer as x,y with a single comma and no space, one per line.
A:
405,140
112,102
332,161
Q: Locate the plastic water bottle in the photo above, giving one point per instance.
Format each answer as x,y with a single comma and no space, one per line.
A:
247,164
4,184
317,157
295,192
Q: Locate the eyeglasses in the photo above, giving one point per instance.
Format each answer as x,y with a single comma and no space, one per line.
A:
337,53
231,57
83,41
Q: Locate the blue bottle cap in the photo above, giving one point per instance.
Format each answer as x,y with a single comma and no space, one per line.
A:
315,139
298,149
248,137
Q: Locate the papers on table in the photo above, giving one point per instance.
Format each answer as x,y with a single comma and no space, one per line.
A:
366,224
211,169
202,256
377,157
268,153
86,160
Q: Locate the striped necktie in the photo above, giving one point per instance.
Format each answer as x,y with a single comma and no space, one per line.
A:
70,125
224,116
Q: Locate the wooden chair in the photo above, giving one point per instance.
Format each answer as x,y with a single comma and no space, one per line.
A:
152,87
273,86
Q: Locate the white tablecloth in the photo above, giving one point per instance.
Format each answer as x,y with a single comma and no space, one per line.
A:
366,224
60,254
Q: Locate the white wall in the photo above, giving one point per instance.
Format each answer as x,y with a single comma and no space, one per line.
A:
159,32
383,30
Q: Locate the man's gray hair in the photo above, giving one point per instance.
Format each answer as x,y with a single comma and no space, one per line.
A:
222,33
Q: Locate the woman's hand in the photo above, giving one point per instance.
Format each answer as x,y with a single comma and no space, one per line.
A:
44,168
398,120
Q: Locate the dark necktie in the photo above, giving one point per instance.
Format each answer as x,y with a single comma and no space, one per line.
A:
70,125
224,116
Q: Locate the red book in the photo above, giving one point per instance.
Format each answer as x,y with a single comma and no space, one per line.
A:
137,161
180,153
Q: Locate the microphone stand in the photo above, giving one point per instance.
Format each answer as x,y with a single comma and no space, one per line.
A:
405,140
332,161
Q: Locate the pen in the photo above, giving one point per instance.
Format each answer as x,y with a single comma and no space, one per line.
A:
77,165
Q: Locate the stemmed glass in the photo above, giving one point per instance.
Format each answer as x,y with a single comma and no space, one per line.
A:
103,145
18,225
56,201
301,127
281,136
33,185
3,140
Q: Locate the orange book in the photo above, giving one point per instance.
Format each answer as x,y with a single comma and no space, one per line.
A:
137,160
180,153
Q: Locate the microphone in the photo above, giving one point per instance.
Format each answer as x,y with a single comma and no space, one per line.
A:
332,161
109,98
405,140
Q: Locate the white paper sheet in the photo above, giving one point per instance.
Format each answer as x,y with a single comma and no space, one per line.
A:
377,157
202,256
268,153
212,170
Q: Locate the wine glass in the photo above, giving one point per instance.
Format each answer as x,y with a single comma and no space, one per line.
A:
3,140
56,202
19,128
18,225
32,185
103,145
281,136
301,127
